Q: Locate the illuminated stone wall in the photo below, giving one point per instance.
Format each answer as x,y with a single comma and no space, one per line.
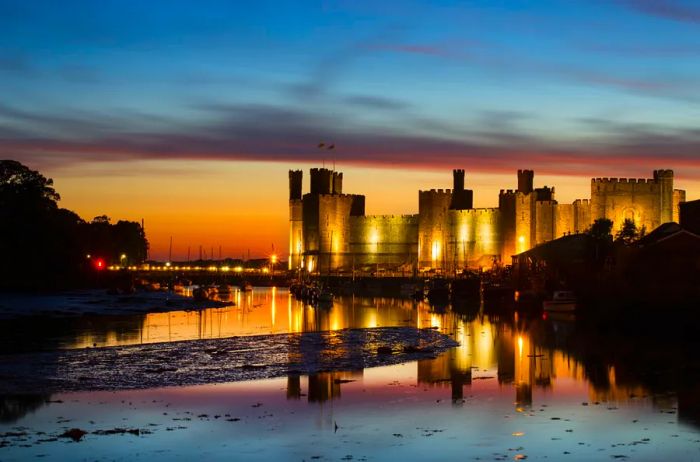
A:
678,198
330,232
385,240
474,238
545,221
649,202
296,236
433,206
326,231
572,218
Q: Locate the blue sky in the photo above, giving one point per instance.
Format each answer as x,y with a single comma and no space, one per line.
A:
564,86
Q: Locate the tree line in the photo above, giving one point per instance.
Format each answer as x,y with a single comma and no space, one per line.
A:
44,246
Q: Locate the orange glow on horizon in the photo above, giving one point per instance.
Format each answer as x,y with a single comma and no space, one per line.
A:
242,206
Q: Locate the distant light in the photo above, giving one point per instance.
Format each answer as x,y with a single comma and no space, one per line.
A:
265,270
225,268
238,269
521,239
273,258
88,256
123,256
99,264
167,264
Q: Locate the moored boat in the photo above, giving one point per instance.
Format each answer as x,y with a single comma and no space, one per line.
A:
563,301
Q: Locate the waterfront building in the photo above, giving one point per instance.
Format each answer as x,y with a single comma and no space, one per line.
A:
330,232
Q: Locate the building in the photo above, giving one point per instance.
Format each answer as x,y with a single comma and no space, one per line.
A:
329,231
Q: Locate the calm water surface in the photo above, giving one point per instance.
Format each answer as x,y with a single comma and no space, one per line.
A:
513,389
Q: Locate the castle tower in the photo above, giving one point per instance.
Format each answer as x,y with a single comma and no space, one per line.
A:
525,181
322,181
462,199
337,183
296,246
458,179
295,184
665,180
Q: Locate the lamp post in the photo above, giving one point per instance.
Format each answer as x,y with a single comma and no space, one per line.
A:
122,260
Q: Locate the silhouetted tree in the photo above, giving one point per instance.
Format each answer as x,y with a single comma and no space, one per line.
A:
628,233
44,246
601,229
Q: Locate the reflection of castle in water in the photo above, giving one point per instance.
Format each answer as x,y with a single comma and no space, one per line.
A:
321,387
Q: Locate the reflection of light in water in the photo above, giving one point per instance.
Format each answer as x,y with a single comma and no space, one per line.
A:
483,354
273,305
371,320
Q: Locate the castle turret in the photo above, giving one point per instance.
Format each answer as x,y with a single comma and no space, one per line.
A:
295,219
321,181
458,179
295,184
462,199
337,183
525,181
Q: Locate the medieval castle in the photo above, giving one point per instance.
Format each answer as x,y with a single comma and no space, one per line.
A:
329,230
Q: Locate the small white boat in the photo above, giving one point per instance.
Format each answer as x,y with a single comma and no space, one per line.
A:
563,301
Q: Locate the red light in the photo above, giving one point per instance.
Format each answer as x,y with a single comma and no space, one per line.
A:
544,315
99,264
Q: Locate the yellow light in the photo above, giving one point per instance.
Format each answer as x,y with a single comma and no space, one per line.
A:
238,269
123,256
225,268
167,264
436,251
265,270
273,259
310,265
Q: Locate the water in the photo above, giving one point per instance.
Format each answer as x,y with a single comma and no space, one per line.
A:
514,388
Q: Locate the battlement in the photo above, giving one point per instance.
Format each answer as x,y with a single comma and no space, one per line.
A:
605,181
479,211
436,191
582,202
387,217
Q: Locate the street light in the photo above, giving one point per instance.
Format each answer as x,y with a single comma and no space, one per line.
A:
122,259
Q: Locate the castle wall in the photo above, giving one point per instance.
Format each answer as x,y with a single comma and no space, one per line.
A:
384,240
544,221
678,199
525,237
564,220
432,226
506,204
620,199
582,215
474,239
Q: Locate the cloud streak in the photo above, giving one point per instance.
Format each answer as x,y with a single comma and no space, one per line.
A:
273,134
668,9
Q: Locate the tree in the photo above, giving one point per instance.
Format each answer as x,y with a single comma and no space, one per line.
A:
44,246
22,187
628,233
601,229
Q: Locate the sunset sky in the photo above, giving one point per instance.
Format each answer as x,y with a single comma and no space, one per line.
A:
189,114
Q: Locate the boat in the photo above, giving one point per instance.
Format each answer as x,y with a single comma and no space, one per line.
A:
325,298
439,291
203,293
563,301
